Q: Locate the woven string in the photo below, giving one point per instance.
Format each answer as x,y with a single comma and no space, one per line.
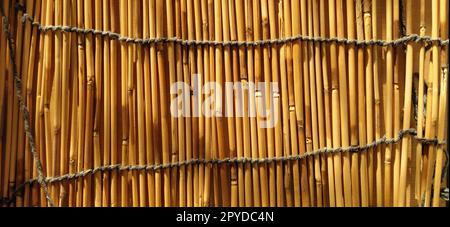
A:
149,41
24,109
235,161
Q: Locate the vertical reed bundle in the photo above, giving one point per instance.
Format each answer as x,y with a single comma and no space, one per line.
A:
312,117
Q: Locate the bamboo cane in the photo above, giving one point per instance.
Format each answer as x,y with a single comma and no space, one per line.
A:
406,114
326,91
181,121
172,79
47,78
21,42
148,106
397,84
314,111
428,127
367,198
269,103
194,70
320,103
198,100
90,109
23,197
251,70
335,105
442,105
229,110
40,41
46,72
155,192
343,104
237,193
307,102
124,103
207,9
420,105
296,115
29,38
274,54
389,106
132,96
2,94
98,103
107,106
115,113
286,199
73,151
434,104
190,121
16,173
259,102
377,103
82,101
355,74
440,135
141,144
65,105
73,146
163,98
220,121
245,195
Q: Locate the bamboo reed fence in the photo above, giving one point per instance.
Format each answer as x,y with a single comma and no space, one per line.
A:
85,103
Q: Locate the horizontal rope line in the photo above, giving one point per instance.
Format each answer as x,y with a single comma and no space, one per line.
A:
243,160
148,41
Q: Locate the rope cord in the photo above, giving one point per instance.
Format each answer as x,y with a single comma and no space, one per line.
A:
151,41
230,161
